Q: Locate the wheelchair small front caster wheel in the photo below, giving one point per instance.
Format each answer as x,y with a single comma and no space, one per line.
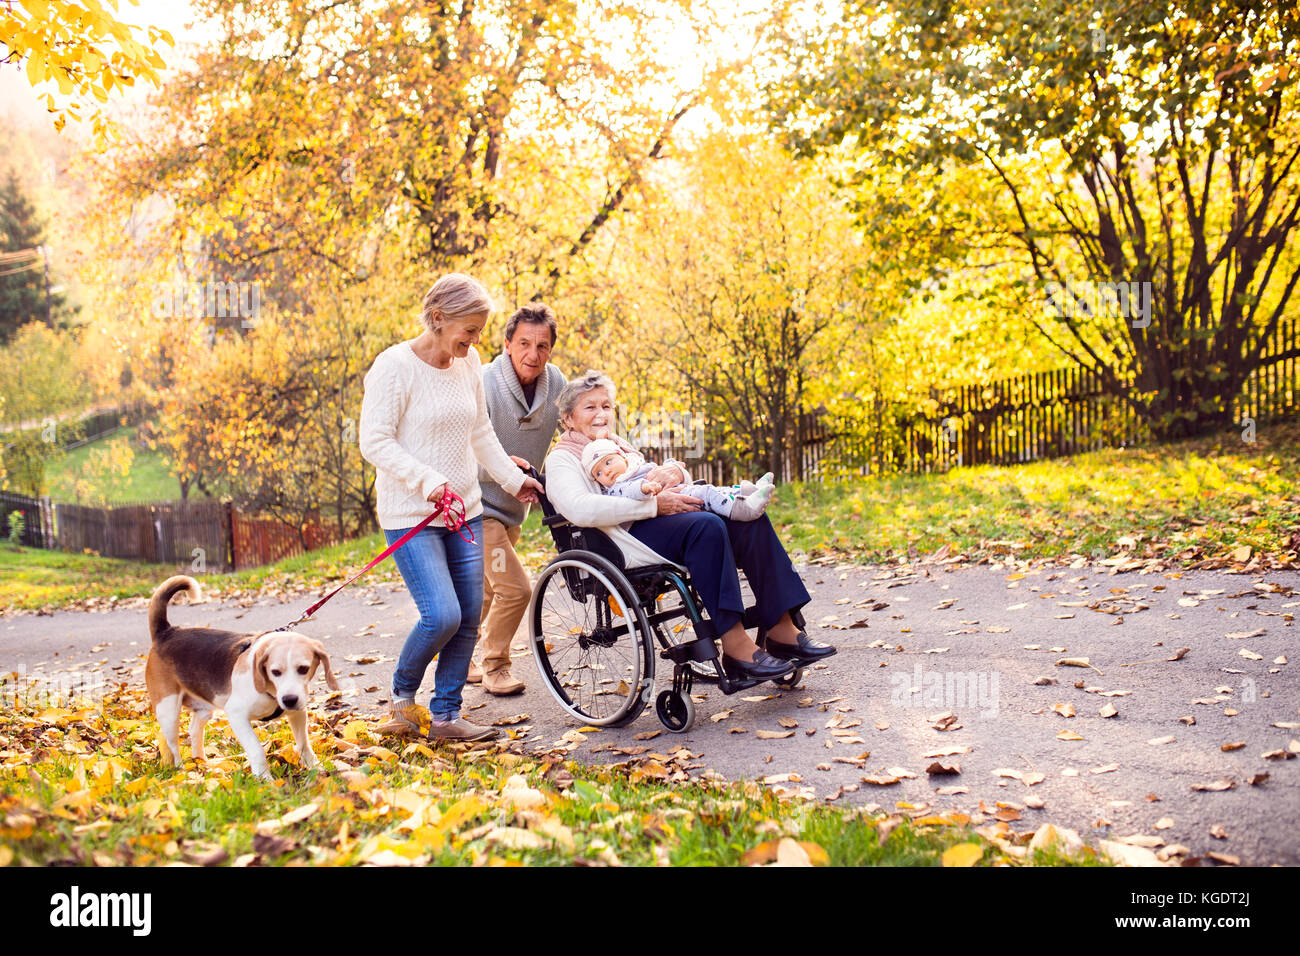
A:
676,711
790,681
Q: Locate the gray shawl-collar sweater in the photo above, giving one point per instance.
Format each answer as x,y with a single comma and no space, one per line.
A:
523,429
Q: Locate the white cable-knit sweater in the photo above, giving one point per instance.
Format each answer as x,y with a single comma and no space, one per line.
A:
422,426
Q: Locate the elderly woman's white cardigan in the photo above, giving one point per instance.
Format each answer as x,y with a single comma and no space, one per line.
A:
578,497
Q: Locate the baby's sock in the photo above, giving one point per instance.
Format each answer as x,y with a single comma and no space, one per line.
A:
766,479
746,487
761,497
744,509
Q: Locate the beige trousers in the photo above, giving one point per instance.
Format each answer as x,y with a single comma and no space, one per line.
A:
506,592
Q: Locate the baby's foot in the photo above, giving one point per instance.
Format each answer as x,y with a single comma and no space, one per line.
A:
766,479
744,509
746,488
761,497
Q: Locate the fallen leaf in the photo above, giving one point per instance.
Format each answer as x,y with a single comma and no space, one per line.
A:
963,854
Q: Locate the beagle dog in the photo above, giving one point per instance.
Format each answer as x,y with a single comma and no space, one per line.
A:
249,676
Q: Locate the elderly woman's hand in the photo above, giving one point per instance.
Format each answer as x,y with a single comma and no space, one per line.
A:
671,503
529,491
669,476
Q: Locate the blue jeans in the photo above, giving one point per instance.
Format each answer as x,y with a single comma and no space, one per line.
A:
444,574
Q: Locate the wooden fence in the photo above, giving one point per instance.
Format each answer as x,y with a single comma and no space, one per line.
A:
200,534
36,519
1068,411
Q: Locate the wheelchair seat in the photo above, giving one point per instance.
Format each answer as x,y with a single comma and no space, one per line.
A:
595,626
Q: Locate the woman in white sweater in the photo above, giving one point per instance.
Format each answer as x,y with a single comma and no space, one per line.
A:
425,428
671,526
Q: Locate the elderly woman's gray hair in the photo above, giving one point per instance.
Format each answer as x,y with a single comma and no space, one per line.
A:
453,296
591,380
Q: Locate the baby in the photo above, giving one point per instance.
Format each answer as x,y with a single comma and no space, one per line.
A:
623,474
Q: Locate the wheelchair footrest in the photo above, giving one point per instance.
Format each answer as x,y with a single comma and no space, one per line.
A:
701,649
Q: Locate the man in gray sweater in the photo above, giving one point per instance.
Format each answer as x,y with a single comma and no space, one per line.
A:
520,387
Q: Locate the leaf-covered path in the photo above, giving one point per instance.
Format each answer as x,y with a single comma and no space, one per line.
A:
939,667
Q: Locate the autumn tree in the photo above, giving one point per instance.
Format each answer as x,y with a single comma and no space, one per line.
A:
1137,148
404,125
83,49
750,285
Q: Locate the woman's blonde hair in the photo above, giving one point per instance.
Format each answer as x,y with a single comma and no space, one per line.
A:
453,296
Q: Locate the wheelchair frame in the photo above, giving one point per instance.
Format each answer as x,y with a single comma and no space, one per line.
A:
588,572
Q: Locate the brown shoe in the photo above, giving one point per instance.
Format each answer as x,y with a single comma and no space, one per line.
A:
408,719
460,729
501,684
475,673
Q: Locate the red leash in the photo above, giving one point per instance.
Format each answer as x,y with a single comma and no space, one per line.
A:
450,504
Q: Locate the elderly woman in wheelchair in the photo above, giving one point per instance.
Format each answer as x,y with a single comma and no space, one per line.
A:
598,609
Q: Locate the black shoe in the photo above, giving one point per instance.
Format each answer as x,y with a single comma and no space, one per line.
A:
762,667
806,651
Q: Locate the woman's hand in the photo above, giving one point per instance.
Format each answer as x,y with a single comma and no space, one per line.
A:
669,476
528,492
521,462
437,493
671,503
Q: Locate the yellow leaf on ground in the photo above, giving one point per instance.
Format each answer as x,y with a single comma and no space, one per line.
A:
963,854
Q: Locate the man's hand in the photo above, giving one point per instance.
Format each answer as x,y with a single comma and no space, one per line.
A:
651,487
521,462
671,503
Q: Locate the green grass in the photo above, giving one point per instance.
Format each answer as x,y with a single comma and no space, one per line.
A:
149,478
84,786
1186,502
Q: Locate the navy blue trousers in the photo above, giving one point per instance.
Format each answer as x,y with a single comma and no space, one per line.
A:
712,547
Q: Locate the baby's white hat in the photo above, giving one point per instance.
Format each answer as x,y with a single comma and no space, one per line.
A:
596,450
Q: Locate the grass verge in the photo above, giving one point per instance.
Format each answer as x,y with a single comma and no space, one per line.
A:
82,785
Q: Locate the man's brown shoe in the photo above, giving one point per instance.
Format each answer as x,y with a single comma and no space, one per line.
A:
459,729
501,684
475,673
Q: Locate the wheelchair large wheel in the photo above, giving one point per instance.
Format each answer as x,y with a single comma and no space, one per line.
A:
591,640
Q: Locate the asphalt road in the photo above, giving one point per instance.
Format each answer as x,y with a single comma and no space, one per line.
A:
916,642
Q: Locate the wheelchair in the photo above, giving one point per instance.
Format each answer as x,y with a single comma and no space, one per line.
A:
596,627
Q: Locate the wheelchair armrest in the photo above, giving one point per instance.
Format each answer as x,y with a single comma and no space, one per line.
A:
555,520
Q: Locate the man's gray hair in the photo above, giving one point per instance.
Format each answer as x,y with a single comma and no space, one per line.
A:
455,295
591,380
